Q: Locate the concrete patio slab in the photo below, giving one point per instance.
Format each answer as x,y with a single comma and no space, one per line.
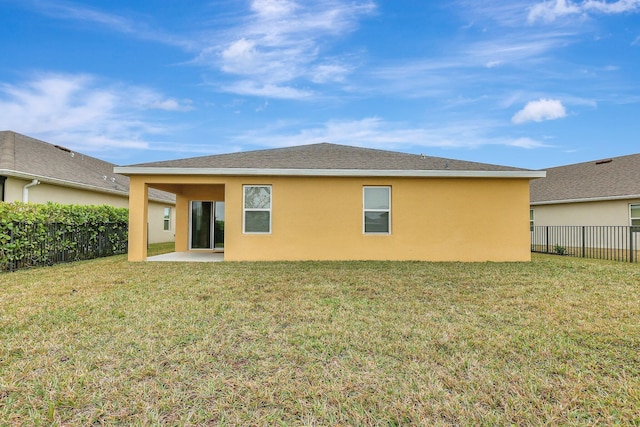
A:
188,257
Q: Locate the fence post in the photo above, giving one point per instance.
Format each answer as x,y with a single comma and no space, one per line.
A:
631,248
12,258
583,242
547,237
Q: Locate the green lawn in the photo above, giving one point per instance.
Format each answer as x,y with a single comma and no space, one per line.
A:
554,341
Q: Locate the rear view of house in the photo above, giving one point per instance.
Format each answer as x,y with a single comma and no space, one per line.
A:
336,202
589,209
38,172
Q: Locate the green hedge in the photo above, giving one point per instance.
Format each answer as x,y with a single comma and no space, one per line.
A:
32,234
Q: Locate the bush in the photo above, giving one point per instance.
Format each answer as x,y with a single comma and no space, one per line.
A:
560,250
32,234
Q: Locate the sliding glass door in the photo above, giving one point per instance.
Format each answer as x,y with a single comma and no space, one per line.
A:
206,223
218,225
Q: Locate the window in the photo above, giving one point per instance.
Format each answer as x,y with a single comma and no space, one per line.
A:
257,209
531,220
377,210
634,213
167,219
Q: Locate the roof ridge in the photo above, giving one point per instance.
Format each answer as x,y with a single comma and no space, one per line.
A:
326,156
601,160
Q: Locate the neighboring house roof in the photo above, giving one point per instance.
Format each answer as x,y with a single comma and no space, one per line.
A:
325,159
28,158
608,179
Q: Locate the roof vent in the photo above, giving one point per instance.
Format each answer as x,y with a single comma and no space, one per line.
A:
602,162
65,149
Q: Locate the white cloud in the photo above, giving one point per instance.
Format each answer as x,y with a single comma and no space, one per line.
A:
378,133
527,143
549,11
171,104
537,111
514,50
82,112
370,131
239,56
251,88
273,8
325,73
504,13
620,6
283,41
576,100
71,11
465,66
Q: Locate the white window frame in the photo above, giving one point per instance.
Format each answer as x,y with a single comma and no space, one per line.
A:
365,210
532,219
634,218
166,220
245,209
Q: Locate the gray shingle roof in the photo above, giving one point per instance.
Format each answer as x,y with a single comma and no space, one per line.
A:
617,177
325,156
26,157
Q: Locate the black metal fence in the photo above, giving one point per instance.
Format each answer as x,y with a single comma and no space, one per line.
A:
36,244
618,243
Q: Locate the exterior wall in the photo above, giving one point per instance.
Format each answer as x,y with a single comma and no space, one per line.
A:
594,226
613,212
13,189
157,233
320,218
44,193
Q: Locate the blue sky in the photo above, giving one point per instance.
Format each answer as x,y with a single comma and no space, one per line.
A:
524,83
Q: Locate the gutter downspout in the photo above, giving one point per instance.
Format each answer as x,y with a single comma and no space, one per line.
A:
3,180
25,190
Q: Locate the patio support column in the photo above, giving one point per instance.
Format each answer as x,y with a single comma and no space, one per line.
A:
138,218
182,223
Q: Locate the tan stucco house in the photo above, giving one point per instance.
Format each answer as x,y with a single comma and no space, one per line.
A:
335,202
597,193
35,171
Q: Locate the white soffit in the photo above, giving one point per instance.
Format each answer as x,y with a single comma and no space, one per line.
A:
124,170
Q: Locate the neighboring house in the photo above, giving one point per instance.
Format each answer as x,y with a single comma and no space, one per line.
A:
335,202
597,193
38,172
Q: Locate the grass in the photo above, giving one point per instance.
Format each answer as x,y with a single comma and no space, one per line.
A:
107,342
